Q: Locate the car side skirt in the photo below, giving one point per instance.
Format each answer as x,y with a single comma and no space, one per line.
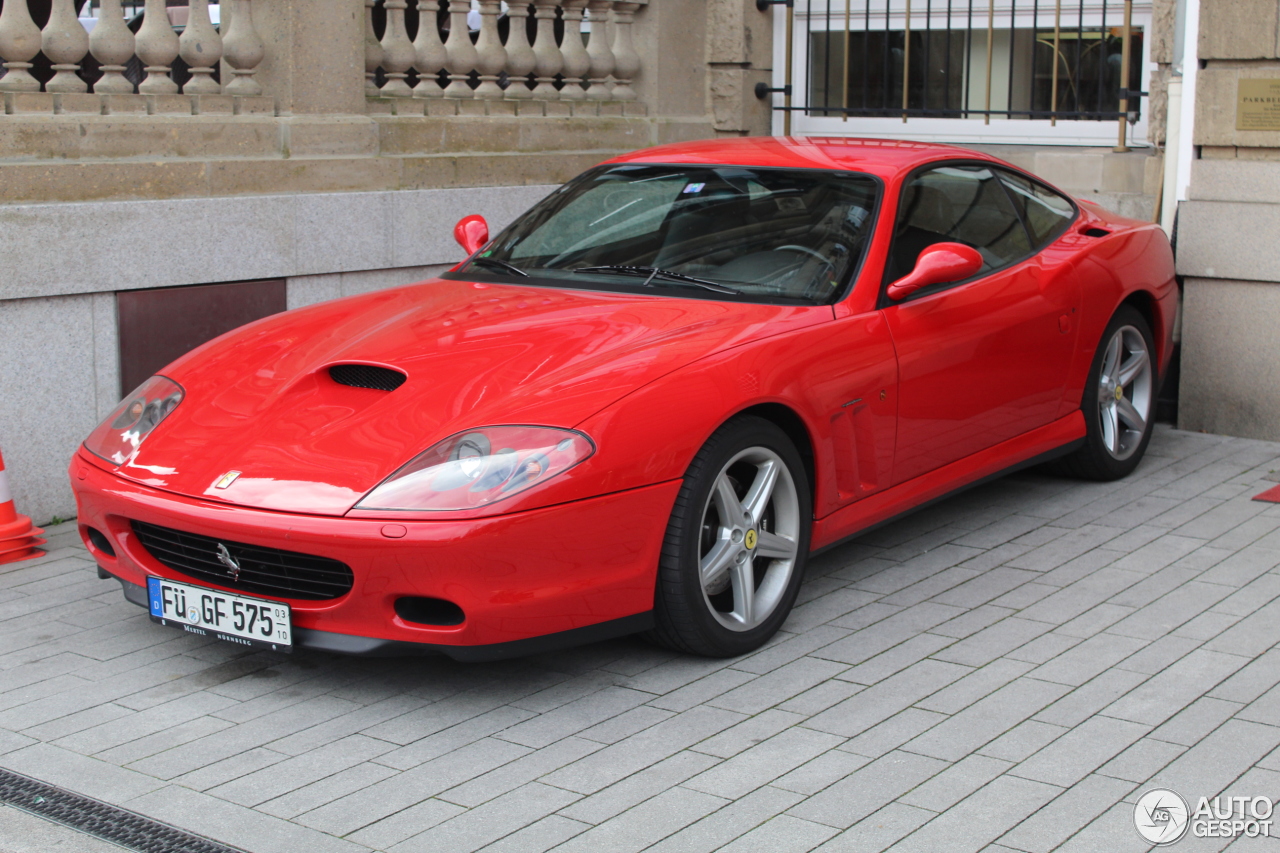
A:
1039,445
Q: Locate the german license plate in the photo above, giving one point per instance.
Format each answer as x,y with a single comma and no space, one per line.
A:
224,615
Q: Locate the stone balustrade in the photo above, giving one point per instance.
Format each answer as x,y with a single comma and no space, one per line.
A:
103,56
458,52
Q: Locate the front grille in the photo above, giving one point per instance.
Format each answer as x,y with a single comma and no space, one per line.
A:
269,571
367,376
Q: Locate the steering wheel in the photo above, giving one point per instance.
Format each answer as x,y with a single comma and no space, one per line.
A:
792,247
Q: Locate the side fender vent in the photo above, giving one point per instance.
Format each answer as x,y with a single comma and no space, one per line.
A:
1095,232
367,376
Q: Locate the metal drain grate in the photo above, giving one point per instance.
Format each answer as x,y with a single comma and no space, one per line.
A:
107,822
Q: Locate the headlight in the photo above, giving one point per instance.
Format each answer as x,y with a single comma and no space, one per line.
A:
479,467
117,438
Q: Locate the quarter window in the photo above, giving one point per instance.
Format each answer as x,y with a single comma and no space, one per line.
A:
957,204
1045,212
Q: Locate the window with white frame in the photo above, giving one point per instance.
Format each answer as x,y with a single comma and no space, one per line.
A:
1034,71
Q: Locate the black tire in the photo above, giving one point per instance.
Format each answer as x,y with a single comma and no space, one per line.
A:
691,619
1096,460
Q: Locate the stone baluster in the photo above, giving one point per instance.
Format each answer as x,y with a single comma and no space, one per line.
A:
429,51
243,50
547,59
19,44
626,62
397,51
520,56
599,51
200,47
492,56
576,61
65,42
372,52
157,46
112,45
461,53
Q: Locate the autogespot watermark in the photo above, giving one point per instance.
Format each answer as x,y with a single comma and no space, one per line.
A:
1163,817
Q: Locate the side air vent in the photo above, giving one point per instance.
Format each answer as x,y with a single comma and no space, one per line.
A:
1095,232
367,376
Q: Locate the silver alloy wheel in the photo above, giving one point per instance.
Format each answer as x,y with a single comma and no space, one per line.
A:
1126,390
750,525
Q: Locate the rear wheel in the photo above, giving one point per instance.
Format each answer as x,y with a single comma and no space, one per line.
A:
736,544
1119,401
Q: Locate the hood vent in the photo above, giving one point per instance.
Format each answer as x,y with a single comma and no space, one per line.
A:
367,376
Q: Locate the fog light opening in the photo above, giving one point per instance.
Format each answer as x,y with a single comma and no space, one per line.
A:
100,541
429,611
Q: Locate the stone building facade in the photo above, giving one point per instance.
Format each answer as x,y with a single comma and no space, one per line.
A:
1228,238
319,148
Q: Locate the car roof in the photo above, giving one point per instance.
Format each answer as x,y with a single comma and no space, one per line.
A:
885,158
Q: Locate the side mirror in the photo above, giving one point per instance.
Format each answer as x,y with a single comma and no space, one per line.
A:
939,263
471,232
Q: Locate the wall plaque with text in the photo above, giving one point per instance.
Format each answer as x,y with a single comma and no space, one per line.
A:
1258,104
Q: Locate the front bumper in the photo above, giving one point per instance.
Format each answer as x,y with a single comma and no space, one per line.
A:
526,582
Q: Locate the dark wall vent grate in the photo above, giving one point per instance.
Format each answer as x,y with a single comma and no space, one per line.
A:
367,376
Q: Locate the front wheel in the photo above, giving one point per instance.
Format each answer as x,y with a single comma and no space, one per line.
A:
1119,401
735,548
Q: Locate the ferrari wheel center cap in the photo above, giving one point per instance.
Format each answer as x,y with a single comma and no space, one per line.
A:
1119,391
750,540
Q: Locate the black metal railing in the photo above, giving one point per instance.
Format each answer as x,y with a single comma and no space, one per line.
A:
963,59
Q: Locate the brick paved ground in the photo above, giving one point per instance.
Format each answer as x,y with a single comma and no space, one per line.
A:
1007,670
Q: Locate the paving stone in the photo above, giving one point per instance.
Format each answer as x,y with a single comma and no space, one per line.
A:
1057,821
520,772
1250,681
1222,756
821,697
821,772
1080,751
887,633
638,787
879,830
955,783
1084,661
781,834
703,690
1023,740
723,826
1168,692
233,824
986,719
631,755
778,685
977,684
748,733
480,826
405,823
982,817
933,585
991,643
573,717
795,646
1141,760
641,827
872,787
539,836
1169,612
1090,698
896,659
1202,716
881,701
971,622
893,732
764,762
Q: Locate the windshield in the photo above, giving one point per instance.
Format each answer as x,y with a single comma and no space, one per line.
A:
738,230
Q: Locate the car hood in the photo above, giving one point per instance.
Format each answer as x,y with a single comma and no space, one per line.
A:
260,400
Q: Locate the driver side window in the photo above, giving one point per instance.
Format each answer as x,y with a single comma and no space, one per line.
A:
957,204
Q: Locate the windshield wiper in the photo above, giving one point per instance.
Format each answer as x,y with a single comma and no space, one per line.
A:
650,273
502,265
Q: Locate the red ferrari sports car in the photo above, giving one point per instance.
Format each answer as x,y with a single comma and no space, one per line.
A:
637,409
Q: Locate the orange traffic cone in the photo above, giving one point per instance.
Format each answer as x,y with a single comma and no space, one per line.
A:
18,536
